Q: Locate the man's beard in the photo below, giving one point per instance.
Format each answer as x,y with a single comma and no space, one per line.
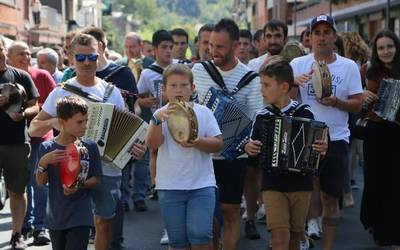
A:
276,50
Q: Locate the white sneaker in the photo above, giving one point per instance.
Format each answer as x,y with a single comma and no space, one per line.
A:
244,215
304,244
348,200
319,220
313,229
164,239
260,212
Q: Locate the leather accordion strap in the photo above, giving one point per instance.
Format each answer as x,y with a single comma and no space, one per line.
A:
156,69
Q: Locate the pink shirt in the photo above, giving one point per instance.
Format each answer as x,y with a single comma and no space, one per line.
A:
45,84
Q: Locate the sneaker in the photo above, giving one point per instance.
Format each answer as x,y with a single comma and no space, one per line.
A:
244,215
153,193
251,230
27,232
319,220
140,206
354,185
306,244
17,242
92,235
164,239
261,212
348,200
40,238
313,229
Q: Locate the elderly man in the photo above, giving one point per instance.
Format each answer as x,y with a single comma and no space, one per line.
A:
47,59
19,56
14,144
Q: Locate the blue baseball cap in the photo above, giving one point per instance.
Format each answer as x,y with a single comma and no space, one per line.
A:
323,18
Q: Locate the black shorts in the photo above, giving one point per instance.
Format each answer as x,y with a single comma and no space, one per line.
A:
333,168
76,238
230,179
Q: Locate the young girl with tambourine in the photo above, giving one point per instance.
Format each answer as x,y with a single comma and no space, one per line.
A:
72,167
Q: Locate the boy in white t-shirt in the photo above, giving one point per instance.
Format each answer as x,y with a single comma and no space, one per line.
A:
185,177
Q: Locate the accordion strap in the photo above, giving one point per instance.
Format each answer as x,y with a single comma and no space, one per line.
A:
300,106
78,91
212,70
156,69
291,112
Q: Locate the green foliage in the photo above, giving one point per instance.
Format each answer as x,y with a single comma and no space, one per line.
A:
166,14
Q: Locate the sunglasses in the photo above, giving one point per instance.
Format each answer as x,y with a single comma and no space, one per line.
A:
90,57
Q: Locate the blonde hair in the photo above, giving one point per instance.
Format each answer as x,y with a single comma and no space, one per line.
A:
354,47
177,69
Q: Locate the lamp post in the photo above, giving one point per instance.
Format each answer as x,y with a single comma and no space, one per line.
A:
295,18
387,20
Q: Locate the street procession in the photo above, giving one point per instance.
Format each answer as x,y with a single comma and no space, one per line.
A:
199,124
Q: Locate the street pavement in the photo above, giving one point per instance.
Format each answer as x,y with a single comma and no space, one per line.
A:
143,230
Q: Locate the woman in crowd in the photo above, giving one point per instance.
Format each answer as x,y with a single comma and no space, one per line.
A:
380,207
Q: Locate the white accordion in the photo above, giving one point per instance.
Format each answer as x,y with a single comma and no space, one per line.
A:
114,131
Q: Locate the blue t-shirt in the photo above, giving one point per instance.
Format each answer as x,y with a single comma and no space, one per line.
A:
64,212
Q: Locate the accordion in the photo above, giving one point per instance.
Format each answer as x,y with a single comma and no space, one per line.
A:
232,119
388,103
287,145
114,131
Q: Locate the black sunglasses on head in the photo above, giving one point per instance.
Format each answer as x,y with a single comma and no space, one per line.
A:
90,57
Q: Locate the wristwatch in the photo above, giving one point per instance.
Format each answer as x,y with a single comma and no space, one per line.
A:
154,121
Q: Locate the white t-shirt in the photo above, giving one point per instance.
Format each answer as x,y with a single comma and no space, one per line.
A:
249,95
256,63
180,168
346,81
97,91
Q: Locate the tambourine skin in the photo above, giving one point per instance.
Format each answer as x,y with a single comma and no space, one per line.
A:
182,124
16,96
321,80
70,168
292,50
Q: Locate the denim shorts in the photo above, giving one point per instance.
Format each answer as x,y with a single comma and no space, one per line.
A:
188,215
105,196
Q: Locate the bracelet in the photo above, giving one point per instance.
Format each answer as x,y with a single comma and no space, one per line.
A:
154,121
41,169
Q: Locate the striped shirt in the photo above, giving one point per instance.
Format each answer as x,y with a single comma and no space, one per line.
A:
250,95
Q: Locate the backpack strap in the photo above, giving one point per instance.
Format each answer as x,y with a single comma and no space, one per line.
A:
156,69
214,74
297,108
116,70
246,79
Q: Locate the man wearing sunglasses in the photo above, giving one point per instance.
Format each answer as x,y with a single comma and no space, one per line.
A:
85,51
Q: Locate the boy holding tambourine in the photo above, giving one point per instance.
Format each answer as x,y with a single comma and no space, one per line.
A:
72,167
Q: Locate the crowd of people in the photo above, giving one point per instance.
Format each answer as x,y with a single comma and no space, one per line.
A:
202,195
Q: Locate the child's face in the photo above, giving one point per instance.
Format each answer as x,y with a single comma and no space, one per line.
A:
271,90
178,86
75,126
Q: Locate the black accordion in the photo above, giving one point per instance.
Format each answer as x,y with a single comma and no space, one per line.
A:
287,145
388,103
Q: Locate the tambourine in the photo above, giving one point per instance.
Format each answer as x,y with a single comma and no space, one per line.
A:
74,169
16,96
182,124
321,80
291,51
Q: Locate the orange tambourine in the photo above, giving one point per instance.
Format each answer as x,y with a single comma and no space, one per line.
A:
71,167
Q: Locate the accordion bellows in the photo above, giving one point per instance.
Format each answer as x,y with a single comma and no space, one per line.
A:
388,103
114,131
287,145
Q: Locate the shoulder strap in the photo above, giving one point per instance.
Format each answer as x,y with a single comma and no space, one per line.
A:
116,70
156,69
78,91
300,106
246,79
274,110
214,74
109,89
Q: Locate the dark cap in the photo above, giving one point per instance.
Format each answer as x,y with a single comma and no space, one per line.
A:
323,19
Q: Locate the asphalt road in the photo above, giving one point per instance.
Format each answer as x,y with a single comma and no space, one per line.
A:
142,230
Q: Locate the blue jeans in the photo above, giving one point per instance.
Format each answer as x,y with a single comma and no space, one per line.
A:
36,196
188,215
140,173
106,195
